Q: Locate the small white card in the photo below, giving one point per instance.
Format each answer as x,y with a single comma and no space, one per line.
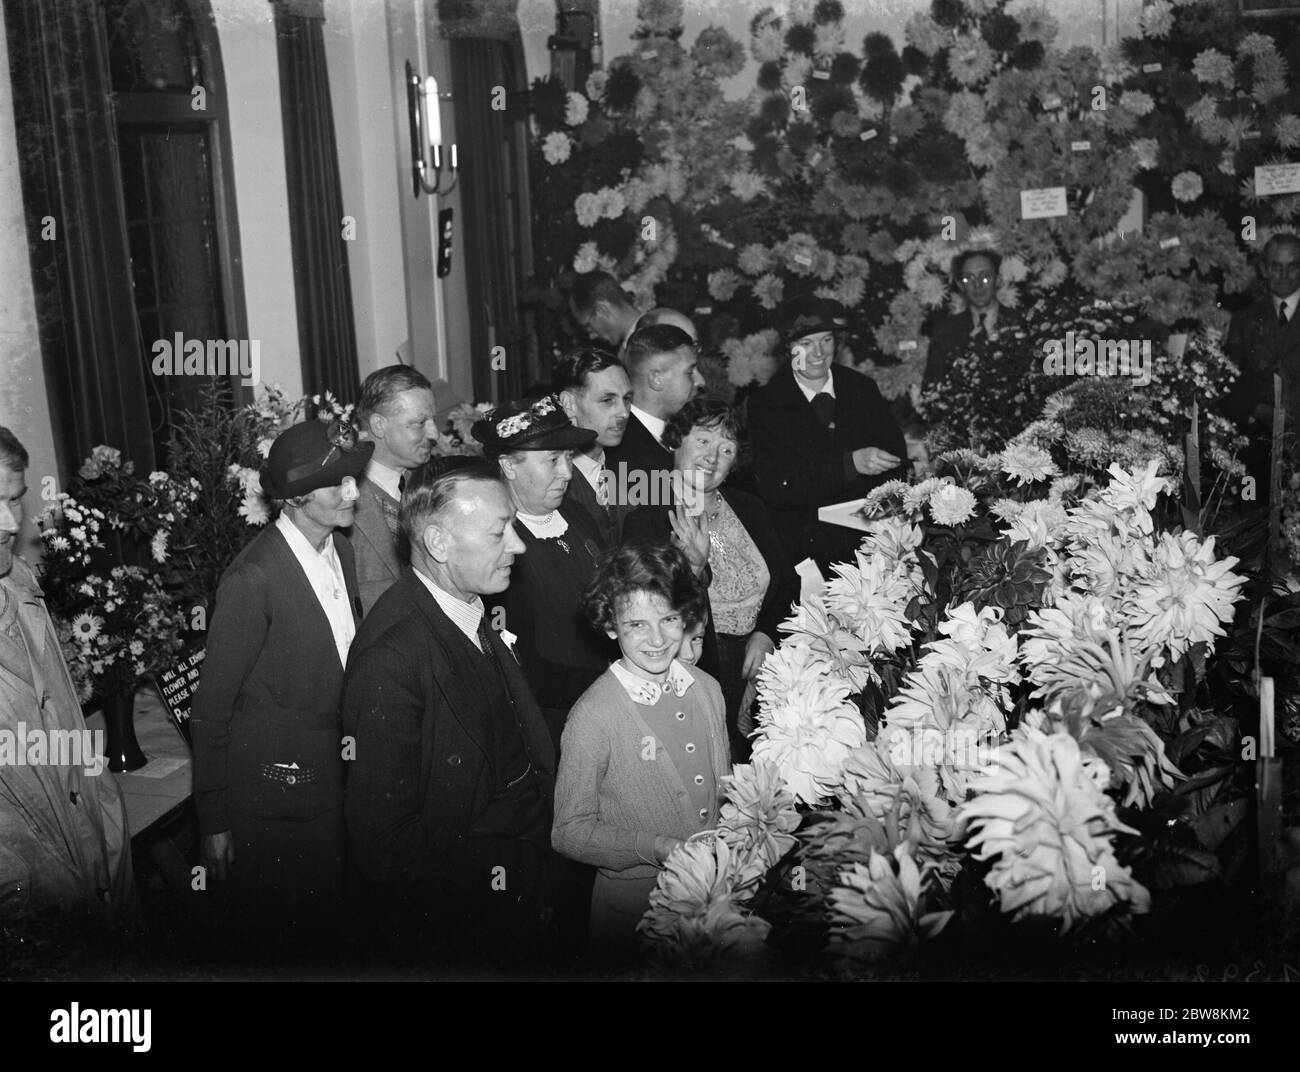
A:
823,75
1043,203
802,258
1080,146
703,310
815,159
1177,345
811,581
1274,179
906,345
650,54
867,135
1152,68
1050,104
1170,242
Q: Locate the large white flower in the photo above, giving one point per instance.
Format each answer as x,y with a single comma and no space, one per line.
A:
1186,595
870,598
951,505
808,735
1140,487
759,812
876,910
586,206
696,913
746,186
1046,826
1038,524
585,259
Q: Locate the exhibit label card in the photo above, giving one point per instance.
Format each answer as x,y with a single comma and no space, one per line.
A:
1043,203
1272,179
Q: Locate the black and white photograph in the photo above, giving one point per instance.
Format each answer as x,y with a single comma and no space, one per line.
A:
650,491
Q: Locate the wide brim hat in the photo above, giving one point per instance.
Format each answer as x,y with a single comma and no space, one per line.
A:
313,454
808,314
541,426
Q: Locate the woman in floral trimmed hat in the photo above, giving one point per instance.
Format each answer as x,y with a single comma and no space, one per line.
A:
539,614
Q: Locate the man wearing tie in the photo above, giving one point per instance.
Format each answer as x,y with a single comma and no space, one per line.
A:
448,799
975,276
663,366
594,392
396,414
1263,339
821,434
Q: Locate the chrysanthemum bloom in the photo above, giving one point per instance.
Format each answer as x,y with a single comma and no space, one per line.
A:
1047,827
575,109
876,911
723,284
807,736
1185,596
1026,463
1157,19
586,206
951,505
695,913
923,33
769,290
886,497
556,147
754,259
1187,186
759,812
746,185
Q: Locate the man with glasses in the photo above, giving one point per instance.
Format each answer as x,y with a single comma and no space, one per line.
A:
821,434
1263,339
396,413
268,757
975,277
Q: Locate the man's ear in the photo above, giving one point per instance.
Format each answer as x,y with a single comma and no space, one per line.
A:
376,425
433,538
569,404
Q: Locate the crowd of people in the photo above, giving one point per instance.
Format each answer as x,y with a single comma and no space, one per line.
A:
467,707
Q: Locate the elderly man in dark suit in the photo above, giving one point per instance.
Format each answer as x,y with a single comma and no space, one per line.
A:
594,392
1264,339
449,795
975,277
663,366
268,767
396,413
821,434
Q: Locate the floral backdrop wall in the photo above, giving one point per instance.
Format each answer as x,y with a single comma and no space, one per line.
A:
859,169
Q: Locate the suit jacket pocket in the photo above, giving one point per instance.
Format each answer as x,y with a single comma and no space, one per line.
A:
294,793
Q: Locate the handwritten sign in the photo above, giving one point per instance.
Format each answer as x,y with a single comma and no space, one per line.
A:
1274,179
177,685
1043,203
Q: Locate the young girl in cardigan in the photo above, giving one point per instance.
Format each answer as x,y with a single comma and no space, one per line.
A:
645,748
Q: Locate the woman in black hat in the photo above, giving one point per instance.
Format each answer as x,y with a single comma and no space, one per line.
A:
268,760
561,654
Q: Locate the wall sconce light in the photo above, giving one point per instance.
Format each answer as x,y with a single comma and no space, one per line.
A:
423,102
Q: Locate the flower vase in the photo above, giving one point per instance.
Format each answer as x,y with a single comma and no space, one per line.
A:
119,725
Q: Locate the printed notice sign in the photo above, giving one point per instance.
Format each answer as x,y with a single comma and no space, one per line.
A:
1273,179
177,685
1043,203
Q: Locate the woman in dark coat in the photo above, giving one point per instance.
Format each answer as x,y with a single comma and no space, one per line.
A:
751,583
559,651
268,756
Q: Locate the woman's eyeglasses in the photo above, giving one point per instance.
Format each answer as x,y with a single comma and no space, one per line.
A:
980,280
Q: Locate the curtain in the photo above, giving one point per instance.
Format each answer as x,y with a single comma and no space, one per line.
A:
489,188
94,359
322,285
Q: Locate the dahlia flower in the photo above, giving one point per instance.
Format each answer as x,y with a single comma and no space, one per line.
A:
1185,596
871,598
696,911
758,812
876,910
1047,827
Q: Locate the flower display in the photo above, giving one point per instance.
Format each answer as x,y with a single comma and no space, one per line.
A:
1047,828
759,813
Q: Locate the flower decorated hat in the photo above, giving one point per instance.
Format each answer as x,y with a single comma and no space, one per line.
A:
542,426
